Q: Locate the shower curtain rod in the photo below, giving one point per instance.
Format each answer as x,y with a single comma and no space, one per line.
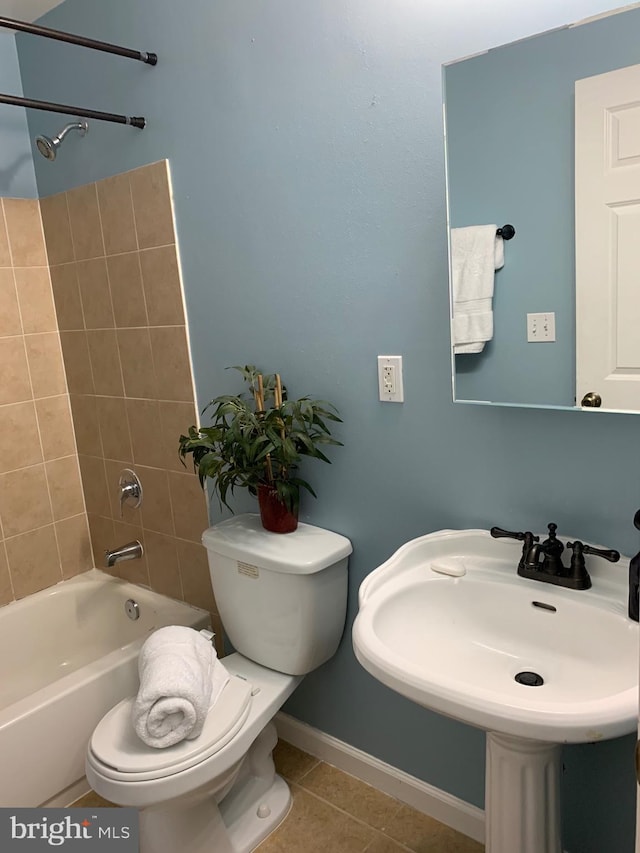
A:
46,32
15,101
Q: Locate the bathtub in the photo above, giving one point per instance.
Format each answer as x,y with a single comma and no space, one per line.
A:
67,655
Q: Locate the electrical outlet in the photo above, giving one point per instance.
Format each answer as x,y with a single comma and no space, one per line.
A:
390,387
541,328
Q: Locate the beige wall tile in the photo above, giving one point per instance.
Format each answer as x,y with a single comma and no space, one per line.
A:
66,295
6,590
5,254
189,507
162,560
102,538
171,360
45,364
19,438
194,573
137,363
86,425
95,294
9,312
114,428
77,362
162,289
56,427
24,500
152,205
94,485
74,545
126,290
156,506
116,213
15,385
85,222
105,362
57,229
146,438
36,300
24,226
65,487
33,561
175,420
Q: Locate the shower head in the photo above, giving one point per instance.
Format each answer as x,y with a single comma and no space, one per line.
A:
48,146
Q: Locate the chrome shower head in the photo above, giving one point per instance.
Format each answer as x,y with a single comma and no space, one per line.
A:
48,146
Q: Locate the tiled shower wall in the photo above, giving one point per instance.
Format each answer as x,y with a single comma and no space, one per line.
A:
116,284
43,522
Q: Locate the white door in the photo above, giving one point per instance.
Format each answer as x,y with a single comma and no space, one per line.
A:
607,151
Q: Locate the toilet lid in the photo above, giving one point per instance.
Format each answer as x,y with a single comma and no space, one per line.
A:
115,743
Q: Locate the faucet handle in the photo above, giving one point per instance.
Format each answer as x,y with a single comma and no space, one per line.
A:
130,489
605,553
499,533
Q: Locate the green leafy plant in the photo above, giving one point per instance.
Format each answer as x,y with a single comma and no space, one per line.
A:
258,438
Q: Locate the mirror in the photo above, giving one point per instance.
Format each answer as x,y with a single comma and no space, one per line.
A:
510,136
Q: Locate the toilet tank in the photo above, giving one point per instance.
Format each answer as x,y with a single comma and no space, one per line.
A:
282,597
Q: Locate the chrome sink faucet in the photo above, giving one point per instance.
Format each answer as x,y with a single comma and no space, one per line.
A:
542,561
130,551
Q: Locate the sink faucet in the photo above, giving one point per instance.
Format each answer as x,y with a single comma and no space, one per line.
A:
542,561
130,551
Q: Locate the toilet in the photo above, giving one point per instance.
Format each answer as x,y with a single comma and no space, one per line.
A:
282,600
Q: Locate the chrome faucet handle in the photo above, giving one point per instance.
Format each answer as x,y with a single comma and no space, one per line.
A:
130,490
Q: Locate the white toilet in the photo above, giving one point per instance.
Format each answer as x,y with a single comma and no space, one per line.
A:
282,599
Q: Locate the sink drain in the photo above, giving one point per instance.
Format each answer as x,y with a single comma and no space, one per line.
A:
529,679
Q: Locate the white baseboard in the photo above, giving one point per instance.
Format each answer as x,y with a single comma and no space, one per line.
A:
459,815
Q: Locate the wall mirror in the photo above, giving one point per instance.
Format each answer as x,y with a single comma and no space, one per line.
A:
544,134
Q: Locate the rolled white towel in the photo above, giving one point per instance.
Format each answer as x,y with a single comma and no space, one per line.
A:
180,679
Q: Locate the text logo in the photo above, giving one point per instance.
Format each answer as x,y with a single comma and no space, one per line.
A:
72,830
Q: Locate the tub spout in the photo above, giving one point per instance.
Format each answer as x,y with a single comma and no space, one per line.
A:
130,551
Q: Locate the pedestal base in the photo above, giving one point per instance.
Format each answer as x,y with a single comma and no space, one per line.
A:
522,799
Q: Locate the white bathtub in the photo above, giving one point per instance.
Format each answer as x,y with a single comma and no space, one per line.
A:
67,655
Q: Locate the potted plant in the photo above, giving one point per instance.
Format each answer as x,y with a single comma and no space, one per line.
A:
256,441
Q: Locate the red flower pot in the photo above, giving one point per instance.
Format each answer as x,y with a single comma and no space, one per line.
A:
273,513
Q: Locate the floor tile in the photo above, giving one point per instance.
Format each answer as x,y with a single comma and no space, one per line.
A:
292,763
384,844
313,826
423,834
351,795
92,801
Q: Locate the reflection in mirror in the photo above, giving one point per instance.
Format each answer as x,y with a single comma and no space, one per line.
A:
511,158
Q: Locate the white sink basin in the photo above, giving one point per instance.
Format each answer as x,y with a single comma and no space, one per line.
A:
455,644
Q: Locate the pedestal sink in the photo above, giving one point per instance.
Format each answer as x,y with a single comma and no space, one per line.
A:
447,622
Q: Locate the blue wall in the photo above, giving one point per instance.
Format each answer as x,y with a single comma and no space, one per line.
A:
17,175
510,156
305,142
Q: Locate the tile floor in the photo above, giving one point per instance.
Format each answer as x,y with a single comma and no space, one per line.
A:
335,812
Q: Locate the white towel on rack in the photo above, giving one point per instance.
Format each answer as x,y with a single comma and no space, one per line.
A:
180,680
476,253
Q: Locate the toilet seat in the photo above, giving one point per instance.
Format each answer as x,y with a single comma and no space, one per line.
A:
119,754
